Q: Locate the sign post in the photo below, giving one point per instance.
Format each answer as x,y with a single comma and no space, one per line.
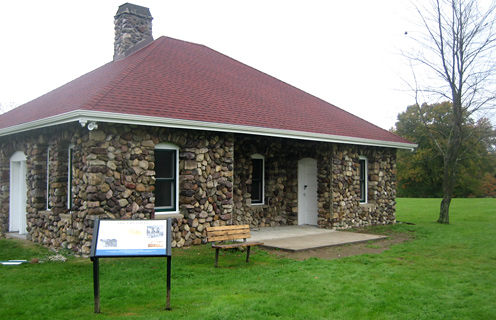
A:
167,306
130,238
96,284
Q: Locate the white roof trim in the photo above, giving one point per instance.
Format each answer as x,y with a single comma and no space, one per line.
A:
98,116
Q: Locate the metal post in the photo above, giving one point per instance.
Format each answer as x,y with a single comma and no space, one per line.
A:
169,258
216,256
96,283
248,254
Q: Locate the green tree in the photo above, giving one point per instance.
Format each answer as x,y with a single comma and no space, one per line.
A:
420,173
454,55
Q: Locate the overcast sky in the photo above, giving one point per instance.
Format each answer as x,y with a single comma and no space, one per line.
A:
344,52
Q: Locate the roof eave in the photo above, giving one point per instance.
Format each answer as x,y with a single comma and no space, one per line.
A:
84,116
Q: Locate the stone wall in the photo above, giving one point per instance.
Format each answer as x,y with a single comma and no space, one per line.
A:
6,151
32,145
41,227
58,168
4,187
114,178
281,158
348,212
206,184
338,183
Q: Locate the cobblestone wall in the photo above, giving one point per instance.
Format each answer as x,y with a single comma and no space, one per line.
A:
281,180
114,178
348,212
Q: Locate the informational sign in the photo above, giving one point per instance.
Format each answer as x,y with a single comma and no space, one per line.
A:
130,238
126,238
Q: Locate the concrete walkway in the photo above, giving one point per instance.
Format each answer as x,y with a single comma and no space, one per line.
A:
296,238
292,238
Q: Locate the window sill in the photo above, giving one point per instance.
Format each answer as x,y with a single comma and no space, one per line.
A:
167,215
367,205
257,204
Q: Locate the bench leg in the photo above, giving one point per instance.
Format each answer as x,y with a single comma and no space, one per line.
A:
216,256
248,254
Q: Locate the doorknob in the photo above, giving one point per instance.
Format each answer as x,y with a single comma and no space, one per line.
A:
305,187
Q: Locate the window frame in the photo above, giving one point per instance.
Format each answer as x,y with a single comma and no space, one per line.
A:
259,180
363,179
47,203
70,175
175,193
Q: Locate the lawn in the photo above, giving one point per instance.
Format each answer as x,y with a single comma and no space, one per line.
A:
445,272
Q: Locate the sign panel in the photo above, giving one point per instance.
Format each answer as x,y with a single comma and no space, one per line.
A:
127,238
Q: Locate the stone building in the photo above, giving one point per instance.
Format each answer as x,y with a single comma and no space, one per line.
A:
175,129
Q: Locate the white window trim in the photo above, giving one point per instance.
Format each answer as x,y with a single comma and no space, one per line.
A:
166,214
259,156
366,179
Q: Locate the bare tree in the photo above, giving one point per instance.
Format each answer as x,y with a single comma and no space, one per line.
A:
455,58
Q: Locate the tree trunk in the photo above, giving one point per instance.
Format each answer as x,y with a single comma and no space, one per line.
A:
451,160
448,187
444,212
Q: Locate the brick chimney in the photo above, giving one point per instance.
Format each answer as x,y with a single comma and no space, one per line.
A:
133,29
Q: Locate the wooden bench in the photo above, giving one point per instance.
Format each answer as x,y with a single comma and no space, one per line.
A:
230,233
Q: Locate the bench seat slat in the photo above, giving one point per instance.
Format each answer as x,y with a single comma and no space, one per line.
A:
235,245
228,233
239,234
224,238
220,237
235,227
225,232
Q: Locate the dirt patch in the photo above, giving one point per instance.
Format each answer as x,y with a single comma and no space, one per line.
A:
346,250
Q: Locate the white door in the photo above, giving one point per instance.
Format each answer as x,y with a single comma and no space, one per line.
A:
307,192
18,193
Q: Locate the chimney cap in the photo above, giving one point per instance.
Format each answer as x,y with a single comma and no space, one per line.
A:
134,9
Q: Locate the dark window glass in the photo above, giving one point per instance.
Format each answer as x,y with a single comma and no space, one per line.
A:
164,193
257,181
70,179
363,182
48,206
165,163
165,184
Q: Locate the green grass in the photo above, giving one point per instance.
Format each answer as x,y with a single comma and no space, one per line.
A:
446,272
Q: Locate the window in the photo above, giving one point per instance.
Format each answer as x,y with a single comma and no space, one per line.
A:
166,177
70,169
257,178
48,207
363,179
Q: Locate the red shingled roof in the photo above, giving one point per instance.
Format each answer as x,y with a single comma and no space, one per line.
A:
175,79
